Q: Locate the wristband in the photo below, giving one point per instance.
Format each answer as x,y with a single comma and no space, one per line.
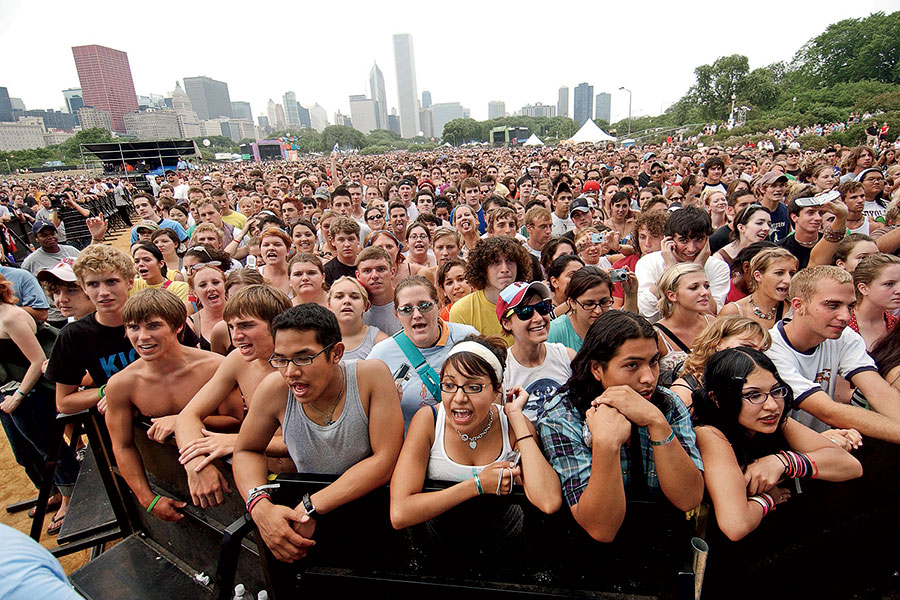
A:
668,440
478,484
762,502
524,437
255,500
21,393
152,504
101,393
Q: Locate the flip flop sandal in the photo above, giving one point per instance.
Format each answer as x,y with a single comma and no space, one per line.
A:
55,525
50,505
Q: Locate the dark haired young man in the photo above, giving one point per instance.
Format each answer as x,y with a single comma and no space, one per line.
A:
686,239
713,169
337,418
145,206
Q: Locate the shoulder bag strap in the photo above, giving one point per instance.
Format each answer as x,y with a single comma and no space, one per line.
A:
426,373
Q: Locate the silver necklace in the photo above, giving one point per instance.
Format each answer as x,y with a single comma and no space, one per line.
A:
473,441
328,419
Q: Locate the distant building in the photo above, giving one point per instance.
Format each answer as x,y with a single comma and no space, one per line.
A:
275,113
304,116
602,107
21,136
52,119
318,118
407,95
189,122
106,82
153,125
426,99
496,109
562,104
56,137
343,120
74,100
584,107
90,117
263,122
291,114
209,97
241,110
17,103
394,121
538,110
363,113
426,122
444,112
211,128
5,105
376,88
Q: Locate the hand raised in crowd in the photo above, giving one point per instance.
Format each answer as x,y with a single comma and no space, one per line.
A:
97,226
212,445
630,286
516,399
763,474
848,439
168,509
162,428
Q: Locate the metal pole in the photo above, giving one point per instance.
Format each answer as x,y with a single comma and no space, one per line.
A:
623,88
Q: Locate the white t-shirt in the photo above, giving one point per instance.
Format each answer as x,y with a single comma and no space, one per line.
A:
540,382
651,266
560,226
816,369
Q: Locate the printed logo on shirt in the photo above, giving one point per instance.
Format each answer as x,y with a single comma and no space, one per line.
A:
114,363
539,393
823,378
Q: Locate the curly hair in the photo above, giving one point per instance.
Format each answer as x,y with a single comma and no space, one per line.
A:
100,258
7,295
488,251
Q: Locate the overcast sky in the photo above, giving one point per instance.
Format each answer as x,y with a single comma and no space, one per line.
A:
470,52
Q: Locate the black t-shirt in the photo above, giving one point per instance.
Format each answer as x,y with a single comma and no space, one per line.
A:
801,252
720,238
335,269
643,179
86,345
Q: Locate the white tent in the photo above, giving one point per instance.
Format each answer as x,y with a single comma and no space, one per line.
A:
534,140
590,133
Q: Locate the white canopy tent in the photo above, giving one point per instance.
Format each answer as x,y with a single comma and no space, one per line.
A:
590,133
534,140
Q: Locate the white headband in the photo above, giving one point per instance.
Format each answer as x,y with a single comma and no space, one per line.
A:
480,351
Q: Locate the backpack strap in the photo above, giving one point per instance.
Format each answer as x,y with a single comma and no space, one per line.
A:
425,371
673,337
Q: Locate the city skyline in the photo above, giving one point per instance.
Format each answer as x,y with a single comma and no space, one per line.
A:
453,72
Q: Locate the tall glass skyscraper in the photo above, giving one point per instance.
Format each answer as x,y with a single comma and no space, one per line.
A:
406,85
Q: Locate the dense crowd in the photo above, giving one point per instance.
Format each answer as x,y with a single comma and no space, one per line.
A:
587,323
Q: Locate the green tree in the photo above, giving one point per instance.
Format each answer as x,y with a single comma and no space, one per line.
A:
345,137
716,83
461,131
758,89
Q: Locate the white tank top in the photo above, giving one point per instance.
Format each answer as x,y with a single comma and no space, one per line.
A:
441,468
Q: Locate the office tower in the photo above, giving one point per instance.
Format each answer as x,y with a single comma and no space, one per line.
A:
90,118
426,122
304,116
291,114
276,116
444,112
318,118
496,109
73,99
153,125
241,110
426,99
538,110
5,105
602,108
16,103
106,83
263,122
407,95
376,88
584,108
394,121
363,113
209,97
562,104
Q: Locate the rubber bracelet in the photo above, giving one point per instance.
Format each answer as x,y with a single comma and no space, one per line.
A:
101,393
155,500
525,437
478,484
21,393
668,440
256,500
762,503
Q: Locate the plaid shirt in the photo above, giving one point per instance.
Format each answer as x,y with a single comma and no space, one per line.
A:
565,436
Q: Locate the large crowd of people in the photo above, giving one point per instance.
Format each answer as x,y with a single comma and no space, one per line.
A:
587,324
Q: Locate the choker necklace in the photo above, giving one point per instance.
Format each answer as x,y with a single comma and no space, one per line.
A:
806,244
767,316
328,419
473,441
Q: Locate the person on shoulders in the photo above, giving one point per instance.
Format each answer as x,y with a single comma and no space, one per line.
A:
248,313
153,321
313,394
750,446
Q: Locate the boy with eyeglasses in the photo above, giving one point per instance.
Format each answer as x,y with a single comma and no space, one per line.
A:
340,419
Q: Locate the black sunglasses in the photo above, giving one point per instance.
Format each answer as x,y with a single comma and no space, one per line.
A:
525,313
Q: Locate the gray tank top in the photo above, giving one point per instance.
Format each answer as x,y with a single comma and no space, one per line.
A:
362,351
328,449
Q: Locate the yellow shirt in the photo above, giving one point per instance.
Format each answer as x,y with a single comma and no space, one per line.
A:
179,288
235,219
479,312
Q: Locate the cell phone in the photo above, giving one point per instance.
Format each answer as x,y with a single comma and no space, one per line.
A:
514,458
598,238
819,200
402,374
618,275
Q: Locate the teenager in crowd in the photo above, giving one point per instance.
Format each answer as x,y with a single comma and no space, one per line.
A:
452,284
877,282
750,446
612,399
460,442
207,284
588,295
620,218
684,304
465,221
770,271
167,242
274,246
558,276
151,267
61,287
751,225
392,245
307,276
852,249
303,235
418,240
348,300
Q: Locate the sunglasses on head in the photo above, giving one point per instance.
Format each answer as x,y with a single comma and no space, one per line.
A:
525,313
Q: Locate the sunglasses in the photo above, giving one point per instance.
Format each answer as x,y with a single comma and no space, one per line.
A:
423,307
525,313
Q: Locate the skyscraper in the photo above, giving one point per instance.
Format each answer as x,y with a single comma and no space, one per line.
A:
363,113
444,112
5,105
562,104
376,88
406,85
426,99
291,114
496,109
106,82
318,118
241,110
584,108
74,99
602,108
209,97
305,120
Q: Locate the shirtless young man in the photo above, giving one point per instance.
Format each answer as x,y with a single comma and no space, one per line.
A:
314,391
153,321
248,314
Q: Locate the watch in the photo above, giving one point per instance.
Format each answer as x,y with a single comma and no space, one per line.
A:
309,507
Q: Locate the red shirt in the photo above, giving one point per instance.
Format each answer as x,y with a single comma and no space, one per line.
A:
627,262
889,322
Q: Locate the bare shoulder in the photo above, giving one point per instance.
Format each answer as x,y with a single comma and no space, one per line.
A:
369,371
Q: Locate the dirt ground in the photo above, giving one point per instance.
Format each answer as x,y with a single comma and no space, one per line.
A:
15,486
